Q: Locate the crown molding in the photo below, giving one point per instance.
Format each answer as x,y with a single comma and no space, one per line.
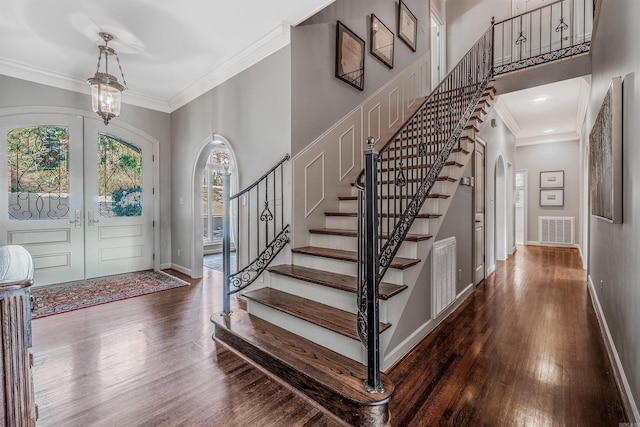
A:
545,139
273,41
505,115
30,73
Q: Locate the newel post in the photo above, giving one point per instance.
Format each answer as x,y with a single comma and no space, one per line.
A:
372,265
226,240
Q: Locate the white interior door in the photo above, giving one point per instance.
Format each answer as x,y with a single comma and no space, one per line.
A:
118,199
41,184
479,215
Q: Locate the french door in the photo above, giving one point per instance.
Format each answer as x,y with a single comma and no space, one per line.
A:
77,195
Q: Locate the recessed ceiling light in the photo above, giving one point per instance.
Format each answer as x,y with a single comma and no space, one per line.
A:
540,99
548,131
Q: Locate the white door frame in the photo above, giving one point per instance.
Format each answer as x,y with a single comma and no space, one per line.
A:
500,215
440,23
200,161
12,111
484,226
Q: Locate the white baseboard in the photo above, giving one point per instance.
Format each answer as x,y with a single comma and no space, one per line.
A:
491,269
165,265
630,407
405,346
418,335
181,269
553,245
584,261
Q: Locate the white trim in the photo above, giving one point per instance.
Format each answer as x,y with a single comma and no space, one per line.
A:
628,402
181,269
207,146
582,258
359,108
30,73
545,139
166,265
419,334
505,114
491,270
553,245
14,111
273,41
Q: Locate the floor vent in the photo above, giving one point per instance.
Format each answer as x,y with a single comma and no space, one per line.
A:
443,275
555,229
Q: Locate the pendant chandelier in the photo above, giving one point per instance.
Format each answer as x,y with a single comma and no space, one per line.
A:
106,91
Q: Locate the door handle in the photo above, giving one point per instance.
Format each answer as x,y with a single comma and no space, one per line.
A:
90,218
77,220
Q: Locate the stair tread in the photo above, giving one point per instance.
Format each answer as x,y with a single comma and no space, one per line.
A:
331,318
349,197
441,178
342,282
411,237
384,215
332,380
351,256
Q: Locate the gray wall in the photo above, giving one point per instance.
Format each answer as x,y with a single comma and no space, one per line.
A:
467,20
21,93
253,112
550,157
500,141
319,99
459,223
615,248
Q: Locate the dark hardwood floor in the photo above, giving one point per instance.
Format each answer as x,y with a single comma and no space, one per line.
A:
524,349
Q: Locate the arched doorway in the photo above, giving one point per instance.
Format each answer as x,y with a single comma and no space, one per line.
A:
215,153
501,210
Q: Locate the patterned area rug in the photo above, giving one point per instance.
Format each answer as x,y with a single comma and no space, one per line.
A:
215,262
55,299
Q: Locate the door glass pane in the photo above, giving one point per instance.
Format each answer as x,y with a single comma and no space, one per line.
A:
120,177
38,158
212,193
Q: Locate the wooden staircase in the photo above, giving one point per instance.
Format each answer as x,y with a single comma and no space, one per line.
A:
302,328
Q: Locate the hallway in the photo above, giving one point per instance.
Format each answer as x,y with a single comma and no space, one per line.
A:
524,349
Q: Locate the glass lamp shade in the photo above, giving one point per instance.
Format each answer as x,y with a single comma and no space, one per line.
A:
106,96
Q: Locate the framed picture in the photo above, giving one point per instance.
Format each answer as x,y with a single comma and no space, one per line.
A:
349,57
552,179
605,157
552,197
407,26
382,41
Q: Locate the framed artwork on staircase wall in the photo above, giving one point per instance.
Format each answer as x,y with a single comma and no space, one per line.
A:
382,41
349,56
605,157
407,26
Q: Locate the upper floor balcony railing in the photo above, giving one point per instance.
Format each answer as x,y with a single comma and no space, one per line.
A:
558,30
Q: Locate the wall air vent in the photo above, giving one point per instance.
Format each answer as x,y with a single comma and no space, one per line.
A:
555,229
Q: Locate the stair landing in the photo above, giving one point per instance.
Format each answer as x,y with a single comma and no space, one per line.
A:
330,379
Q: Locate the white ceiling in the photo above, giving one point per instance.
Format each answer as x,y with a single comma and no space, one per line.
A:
171,51
548,113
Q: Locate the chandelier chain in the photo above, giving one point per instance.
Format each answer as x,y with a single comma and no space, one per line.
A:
124,81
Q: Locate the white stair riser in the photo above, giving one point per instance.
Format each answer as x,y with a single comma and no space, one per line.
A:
337,298
348,243
342,267
440,187
420,225
430,205
340,344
